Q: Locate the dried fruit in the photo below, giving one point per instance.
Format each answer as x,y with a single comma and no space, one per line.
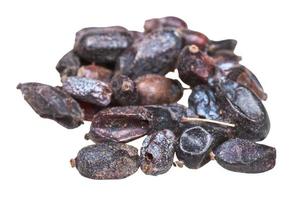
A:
225,60
157,152
95,72
102,45
204,103
245,110
120,124
194,67
107,161
156,53
68,65
88,90
160,23
240,155
157,89
52,103
124,91
196,143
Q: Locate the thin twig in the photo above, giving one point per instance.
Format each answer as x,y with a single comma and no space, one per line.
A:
196,119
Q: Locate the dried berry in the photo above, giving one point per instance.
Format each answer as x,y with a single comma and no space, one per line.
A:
107,161
52,103
95,72
68,65
196,143
194,67
240,155
215,46
156,53
157,89
124,91
120,124
160,23
245,110
157,152
88,90
204,103
194,38
245,77
102,45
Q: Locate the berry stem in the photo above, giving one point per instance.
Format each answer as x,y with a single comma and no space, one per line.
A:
196,119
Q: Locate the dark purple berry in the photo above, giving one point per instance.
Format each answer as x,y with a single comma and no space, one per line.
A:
157,152
240,155
68,65
155,53
120,124
165,22
52,103
102,45
88,90
107,161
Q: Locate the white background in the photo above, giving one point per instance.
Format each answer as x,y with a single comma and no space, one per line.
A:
34,152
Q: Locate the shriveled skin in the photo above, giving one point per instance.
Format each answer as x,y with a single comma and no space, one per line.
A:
244,156
204,103
88,90
215,46
194,67
156,89
157,152
96,72
120,124
245,77
107,161
195,144
52,103
68,65
102,45
136,35
164,22
155,53
242,108
124,91
193,37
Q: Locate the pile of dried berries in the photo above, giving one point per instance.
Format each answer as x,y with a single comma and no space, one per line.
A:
116,79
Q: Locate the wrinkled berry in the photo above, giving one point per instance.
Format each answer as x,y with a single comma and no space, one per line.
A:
245,156
215,46
102,45
196,143
194,67
157,152
194,38
155,53
52,103
120,124
88,90
107,161
157,89
242,108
